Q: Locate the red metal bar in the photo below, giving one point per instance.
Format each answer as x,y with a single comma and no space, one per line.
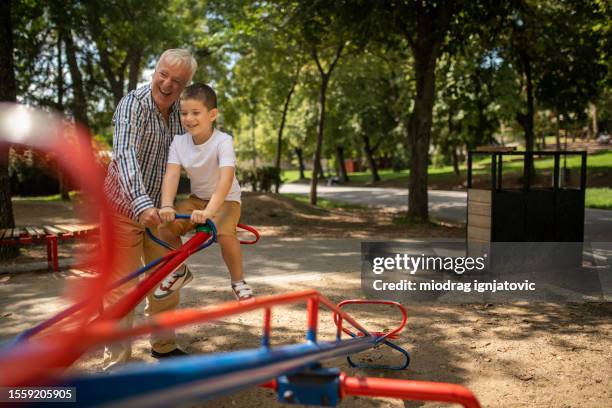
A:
407,390
332,306
29,362
49,258
390,335
270,384
52,260
267,327
252,231
129,301
102,332
313,318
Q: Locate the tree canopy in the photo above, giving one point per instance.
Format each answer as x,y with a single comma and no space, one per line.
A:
316,83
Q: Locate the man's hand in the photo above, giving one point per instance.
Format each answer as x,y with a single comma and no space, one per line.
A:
200,216
167,214
149,217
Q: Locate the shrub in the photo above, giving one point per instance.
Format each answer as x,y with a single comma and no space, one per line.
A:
260,179
32,173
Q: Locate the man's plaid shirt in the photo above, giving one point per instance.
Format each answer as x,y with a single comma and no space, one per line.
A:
140,151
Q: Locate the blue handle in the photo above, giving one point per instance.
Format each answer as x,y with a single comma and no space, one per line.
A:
209,223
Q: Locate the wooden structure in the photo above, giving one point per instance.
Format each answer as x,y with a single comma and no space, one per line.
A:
49,235
524,212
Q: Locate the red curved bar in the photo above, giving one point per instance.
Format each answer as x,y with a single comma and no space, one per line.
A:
72,144
407,390
390,335
252,231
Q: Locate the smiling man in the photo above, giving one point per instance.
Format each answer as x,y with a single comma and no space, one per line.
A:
146,120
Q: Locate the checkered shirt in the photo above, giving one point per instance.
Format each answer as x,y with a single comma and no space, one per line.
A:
140,151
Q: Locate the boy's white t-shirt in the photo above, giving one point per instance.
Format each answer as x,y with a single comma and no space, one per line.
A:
202,162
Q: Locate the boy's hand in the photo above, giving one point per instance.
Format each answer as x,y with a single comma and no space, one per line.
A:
200,216
167,214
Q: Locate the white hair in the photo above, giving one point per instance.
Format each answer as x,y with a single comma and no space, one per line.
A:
178,56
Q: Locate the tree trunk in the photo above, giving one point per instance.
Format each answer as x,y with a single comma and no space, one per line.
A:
432,24
59,83
419,133
115,81
63,182
300,155
370,156
319,142
134,69
325,76
526,119
594,127
322,170
344,178
254,149
279,140
558,138
79,104
455,158
8,93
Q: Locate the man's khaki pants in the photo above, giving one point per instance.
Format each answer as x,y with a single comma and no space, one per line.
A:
134,248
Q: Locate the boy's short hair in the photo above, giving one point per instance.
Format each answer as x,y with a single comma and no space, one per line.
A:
201,92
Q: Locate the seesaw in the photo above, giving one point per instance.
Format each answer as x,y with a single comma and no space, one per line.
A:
39,356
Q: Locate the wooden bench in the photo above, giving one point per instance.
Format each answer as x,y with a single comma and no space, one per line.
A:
49,234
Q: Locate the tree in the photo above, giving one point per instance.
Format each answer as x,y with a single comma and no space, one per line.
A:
8,93
281,128
557,55
364,105
428,29
424,26
324,29
574,71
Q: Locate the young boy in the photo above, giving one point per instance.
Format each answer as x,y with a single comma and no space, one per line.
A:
208,157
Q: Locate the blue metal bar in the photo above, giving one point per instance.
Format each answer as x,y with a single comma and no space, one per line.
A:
204,376
26,334
402,366
209,223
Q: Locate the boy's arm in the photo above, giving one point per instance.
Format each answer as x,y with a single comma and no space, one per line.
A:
168,191
226,177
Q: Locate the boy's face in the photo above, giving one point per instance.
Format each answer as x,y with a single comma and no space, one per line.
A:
196,117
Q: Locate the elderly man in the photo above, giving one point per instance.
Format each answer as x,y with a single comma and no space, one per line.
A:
145,121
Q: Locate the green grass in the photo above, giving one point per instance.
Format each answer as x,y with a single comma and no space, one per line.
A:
323,202
290,176
406,221
360,177
595,161
596,197
53,197
599,198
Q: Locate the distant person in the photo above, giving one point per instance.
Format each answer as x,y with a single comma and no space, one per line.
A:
145,121
208,157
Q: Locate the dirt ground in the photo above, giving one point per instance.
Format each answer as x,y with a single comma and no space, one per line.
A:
510,355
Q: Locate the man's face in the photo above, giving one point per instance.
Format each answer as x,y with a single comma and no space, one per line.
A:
168,83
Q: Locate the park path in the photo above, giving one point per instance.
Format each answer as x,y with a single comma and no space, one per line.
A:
443,205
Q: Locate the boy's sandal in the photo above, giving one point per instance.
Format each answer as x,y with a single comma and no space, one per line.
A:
242,291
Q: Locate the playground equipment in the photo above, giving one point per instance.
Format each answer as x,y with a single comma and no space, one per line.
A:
39,356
